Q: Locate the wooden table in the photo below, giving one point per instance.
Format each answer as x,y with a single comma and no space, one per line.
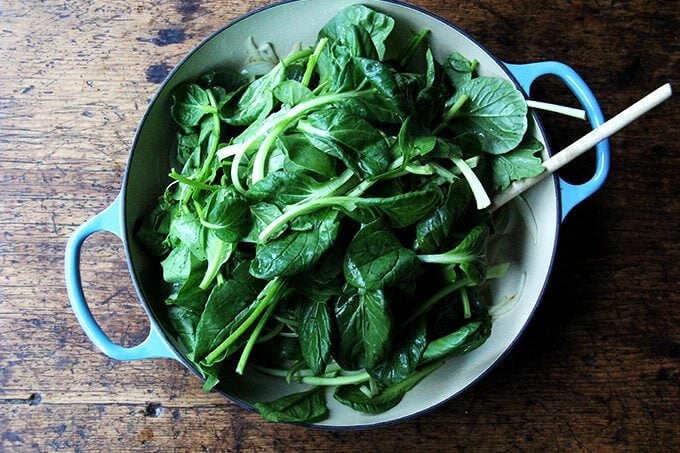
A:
597,369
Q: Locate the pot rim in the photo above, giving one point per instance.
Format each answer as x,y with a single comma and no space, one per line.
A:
241,403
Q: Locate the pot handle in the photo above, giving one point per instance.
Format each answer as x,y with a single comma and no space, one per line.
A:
526,74
155,345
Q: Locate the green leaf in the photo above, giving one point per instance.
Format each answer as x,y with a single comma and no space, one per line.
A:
190,104
469,255
517,164
303,407
218,253
402,360
400,210
452,344
350,138
301,152
459,69
189,294
349,351
292,92
377,326
229,81
186,145
496,112
379,26
227,216
352,396
386,102
179,265
375,258
227,304
257,101
296,251
184,321
186,230
433,232
315,334
284,187
262,214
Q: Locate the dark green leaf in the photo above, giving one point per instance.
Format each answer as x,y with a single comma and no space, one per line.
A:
517,164
284,187
304,407
402,360
352,396
459,69
433,232
227,216
375,258
349,351
296,251
218,253
400,210
226,302
379,26
377,326
179,265
496,112
190,104
349,138
292,92
262,214
257,101
315,334
450,344
300,151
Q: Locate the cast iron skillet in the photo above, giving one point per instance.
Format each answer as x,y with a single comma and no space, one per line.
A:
283,24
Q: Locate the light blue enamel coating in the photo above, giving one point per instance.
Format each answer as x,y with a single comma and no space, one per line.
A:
526,74
155,346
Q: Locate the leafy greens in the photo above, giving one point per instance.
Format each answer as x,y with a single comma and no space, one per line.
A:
322,226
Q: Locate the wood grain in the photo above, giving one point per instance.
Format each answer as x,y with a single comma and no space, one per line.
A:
598,368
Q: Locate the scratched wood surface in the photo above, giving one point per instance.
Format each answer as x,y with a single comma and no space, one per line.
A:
598,369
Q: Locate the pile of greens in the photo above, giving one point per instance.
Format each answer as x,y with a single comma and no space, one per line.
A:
325,222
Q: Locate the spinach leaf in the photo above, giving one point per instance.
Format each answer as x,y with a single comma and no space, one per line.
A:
349,351
308,407
190,104
315,334
186,230
400,210
469,255
262,214
189,294
300,151
352,396
459,69
179,265
379,26
296,251
348,137
284,187
375,258
496,112
184,321
257,101
225,303
292,92
218,253
227,216
517,164
377,326
433,232
364,328
402,360
452,344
